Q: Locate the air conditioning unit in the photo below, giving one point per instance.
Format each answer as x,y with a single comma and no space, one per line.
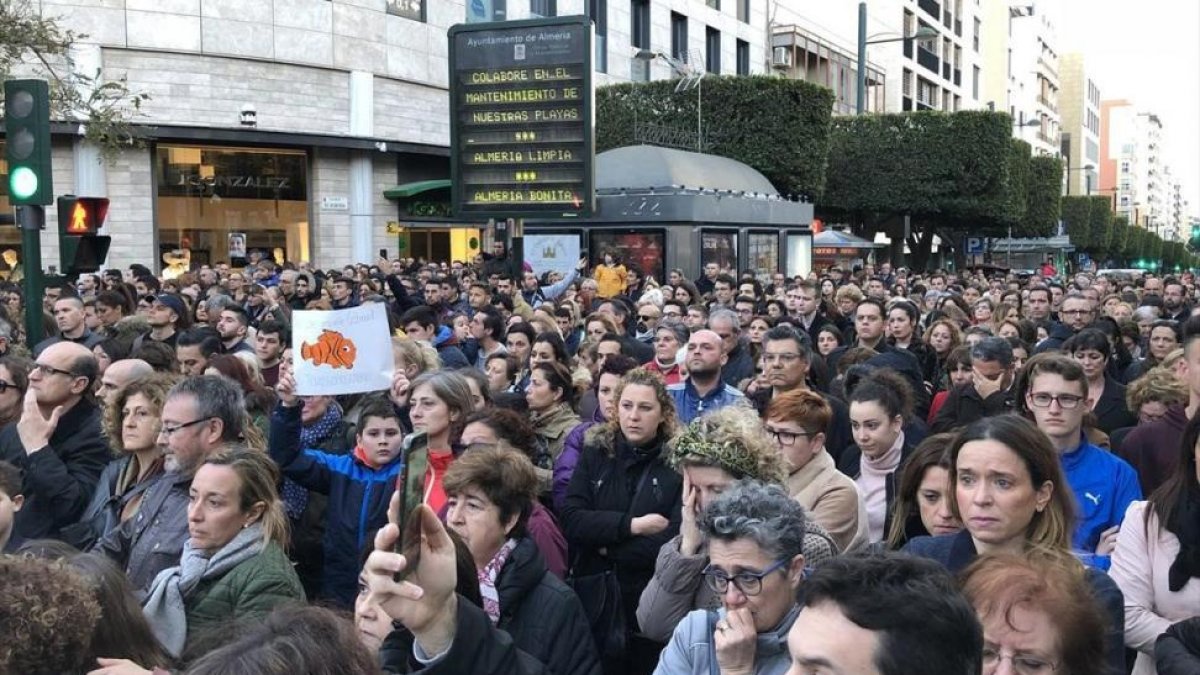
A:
781,57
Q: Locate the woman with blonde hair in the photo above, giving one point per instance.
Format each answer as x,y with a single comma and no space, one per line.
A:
233,566
711,454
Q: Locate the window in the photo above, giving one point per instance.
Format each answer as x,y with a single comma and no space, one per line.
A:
907,82
975,82
543,8
640,250
927,92
679,36
743,11
715,4
762,251
712,50
975,36
639,38
719,247
409,9
743,57
598,13
210,196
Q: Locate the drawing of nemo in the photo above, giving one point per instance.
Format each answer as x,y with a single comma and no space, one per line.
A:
330,349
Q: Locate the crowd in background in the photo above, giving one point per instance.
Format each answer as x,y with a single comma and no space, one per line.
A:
866,470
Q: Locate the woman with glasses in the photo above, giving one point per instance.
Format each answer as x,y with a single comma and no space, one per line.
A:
1038,616
1012,498
797,420
1092,349
754,536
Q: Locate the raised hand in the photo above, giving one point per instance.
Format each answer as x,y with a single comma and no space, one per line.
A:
33,428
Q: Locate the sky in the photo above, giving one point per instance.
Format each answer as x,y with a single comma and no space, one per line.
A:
1148,52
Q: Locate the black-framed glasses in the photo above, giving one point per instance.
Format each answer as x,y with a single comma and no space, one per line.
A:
46,371
5,386
749,583
646,317
169,430
1065,401
784,437
1022,664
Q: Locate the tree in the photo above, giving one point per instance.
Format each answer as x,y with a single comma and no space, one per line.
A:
1076,213
1043,203
1120,234
1099,225
776,125
32,45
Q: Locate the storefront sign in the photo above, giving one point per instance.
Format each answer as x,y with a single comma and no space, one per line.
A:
335,204
521,104
835,252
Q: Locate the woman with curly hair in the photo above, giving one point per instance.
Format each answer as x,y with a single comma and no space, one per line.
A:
47,617
711,454
622,505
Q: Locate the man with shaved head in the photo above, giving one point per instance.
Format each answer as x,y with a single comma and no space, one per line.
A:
119,374
70,319
703,391
58,442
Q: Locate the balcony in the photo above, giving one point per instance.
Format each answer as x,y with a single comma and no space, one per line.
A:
921,105
1047,103
1047,138
1048,66
931,7
928,60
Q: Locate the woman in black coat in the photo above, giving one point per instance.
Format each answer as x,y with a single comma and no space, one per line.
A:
623,504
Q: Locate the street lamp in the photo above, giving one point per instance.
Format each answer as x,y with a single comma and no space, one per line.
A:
689,77
1087,169
923,33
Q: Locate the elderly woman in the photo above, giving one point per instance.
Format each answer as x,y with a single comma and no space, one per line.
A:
133,423
233,565
754,539
491,493
714,452
622,505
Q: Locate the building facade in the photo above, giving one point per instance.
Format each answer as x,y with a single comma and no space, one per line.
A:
1080,109
1021,70
281,124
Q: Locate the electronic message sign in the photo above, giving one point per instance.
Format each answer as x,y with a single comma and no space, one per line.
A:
521,138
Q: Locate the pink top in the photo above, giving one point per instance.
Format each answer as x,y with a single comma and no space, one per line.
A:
1139,567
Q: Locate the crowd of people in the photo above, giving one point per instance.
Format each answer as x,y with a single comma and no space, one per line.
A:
866,470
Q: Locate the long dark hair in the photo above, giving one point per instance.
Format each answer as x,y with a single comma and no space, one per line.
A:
1182,483
122,631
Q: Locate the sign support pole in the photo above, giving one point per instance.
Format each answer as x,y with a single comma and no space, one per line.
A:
31,219
516,250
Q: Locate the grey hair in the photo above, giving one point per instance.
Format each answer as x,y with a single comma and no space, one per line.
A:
995,349
6,330
1145,313
726,315
216,398
760,512
218,303
677,329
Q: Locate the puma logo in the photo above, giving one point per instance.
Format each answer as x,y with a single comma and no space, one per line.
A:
1094,498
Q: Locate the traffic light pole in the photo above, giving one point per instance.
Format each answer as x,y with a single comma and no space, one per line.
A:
31,219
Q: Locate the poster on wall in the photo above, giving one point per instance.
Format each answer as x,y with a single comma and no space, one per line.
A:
342,352
719,247
552,252
237,245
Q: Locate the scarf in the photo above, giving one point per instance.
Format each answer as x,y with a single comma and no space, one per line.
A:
1185,525
872,484
487,580
165,607
294,495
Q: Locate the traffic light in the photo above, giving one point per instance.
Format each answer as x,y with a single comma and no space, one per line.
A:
1195,240
27,142
81,249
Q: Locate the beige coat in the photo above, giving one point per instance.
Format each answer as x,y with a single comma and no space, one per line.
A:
831,498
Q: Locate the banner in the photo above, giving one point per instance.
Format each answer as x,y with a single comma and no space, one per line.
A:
347,351
552,253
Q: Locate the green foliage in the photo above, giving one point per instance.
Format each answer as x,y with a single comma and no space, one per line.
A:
931,165
104,107
1017,186
1076,213
1100,224
1120,233
1043,203
776,125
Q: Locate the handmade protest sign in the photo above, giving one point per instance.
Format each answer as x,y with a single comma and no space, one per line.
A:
347,351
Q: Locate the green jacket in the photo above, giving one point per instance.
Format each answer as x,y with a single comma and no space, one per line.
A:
251,589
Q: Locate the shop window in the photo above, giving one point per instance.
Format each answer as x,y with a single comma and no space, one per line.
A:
641,250
233,204
10,237
719,247
763,254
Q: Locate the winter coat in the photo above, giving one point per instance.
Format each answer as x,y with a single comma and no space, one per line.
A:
1059,334
1177,651
252,589
151,541
103,513
1111,410
740,366
598,510
610,280
964,405
449,353
689,404
678,587
1153,449
59,479
1140,565
831,499
543,615
957,551
565,465
358,499
691,650
552,426
851,465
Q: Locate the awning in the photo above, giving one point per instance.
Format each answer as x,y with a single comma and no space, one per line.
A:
408,190
834,238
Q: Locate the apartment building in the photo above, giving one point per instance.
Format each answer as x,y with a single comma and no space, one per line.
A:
1021,70
1079,106
1131,165
818,42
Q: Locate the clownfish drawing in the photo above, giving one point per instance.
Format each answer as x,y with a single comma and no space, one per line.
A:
331,349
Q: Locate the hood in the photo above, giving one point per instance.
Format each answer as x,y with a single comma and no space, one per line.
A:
522,572
445,337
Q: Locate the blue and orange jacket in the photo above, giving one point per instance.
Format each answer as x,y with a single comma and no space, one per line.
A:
358,499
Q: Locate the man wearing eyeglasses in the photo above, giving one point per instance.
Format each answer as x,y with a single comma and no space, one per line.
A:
648,317
201,416
1104,484
1076,313
58,442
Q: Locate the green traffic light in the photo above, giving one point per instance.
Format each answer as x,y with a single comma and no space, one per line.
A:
23,182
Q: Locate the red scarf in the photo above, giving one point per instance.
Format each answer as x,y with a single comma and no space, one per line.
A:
360,453
435,493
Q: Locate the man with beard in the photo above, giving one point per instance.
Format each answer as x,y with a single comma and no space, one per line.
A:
269,342
58,443
195,348
202,416
233,327
167,316
69,316
703,391
1174,306
118,374
342,293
